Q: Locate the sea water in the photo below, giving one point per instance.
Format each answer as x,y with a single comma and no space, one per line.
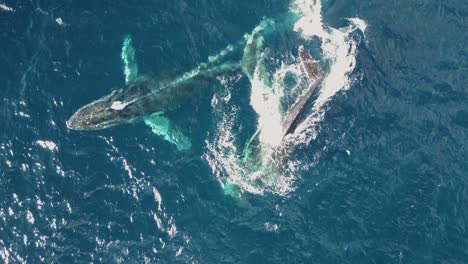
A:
378,173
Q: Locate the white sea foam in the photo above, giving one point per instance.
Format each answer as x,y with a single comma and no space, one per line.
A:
157,198
158,222
6,8
179,251
30,217
266,103
172,230
269,227
5,255
60,22
127,168
47,144
223,156
359,23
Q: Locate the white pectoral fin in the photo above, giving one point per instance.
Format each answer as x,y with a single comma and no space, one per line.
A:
252,147
254,48
162,126
129,60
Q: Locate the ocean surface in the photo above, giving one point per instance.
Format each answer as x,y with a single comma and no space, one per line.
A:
379,168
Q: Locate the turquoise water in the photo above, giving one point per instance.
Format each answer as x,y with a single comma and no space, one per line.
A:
379,169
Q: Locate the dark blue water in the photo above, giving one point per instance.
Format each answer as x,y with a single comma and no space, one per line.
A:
386,180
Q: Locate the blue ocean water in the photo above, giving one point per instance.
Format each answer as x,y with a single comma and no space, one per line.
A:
379,174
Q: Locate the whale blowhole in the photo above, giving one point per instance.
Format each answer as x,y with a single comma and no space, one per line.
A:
118,105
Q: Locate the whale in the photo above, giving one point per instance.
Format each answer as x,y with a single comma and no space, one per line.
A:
156,94
145,96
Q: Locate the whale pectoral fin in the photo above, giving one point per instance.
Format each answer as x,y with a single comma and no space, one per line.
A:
254,47
252,149
129,60
162,126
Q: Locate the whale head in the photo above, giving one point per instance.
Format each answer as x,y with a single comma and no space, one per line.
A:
100,114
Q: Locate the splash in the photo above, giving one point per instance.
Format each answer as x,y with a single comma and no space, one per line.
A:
266,103
339,52
234,173
265,96
225,156
6,8
47,144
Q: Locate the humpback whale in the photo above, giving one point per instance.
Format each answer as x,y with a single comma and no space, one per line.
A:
143,97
